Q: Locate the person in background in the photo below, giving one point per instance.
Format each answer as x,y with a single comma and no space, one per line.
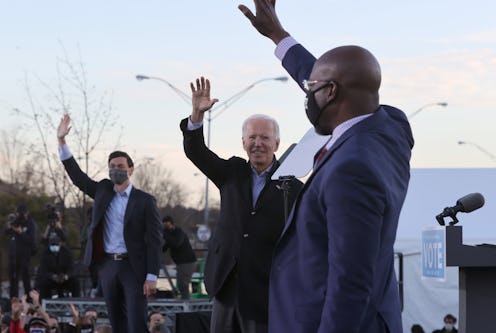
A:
333,266
92,313
156,323
181,253
54,226
55,271
53,324
416,328
20,230
80,324
449,325
252,216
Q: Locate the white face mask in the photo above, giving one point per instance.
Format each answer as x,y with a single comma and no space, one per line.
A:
448,327
37,330
54,248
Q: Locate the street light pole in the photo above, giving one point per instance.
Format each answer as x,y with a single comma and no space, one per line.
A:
220,106
413,114
492,156
185,97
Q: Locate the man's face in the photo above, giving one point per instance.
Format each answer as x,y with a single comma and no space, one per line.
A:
92,314
156,320
168,225
260,143
52,324
120,171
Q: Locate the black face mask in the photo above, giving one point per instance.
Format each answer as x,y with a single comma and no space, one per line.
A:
118,176
312,108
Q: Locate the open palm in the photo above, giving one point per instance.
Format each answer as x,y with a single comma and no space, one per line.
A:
201,95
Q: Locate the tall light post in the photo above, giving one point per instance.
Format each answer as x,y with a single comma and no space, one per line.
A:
185,97
414,113
486,152
218,108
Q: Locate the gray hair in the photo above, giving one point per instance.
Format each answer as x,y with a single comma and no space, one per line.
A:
260,116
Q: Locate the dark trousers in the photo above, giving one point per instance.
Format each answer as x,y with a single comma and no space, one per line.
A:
46,286
226,317
19,269
123,294
183,277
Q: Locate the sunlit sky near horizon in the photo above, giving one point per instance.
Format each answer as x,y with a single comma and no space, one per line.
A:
430,51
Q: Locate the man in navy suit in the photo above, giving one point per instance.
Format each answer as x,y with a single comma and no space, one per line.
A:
333,267
124,238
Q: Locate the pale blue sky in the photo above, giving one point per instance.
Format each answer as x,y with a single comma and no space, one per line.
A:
430,51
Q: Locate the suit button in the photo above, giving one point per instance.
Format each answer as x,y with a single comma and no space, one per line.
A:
245,235
253,212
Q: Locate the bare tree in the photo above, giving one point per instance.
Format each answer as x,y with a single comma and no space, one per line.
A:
158,181
92,116
12,156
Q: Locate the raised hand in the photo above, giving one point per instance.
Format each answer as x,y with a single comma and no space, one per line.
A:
201,99
265,19
64,128
35,297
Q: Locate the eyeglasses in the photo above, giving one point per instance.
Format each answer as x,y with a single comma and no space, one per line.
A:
308,84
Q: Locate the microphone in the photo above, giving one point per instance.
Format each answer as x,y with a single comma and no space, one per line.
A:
466,204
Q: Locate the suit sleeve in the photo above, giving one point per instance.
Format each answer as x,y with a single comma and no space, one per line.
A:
355,207
298,62
203,158
79,178
153,236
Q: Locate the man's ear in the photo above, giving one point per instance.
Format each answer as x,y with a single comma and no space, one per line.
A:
333,90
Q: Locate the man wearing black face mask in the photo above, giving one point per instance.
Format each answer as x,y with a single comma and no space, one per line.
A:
339,237
124,237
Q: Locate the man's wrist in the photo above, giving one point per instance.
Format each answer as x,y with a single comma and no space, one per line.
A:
278,36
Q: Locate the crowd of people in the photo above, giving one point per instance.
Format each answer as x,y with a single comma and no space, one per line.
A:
55,274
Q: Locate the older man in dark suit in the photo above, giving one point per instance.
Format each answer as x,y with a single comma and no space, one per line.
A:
251,217
124,238
333,268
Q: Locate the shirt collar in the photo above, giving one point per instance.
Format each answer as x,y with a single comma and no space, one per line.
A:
343,127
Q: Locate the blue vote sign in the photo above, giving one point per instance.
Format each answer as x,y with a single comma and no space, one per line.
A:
434,253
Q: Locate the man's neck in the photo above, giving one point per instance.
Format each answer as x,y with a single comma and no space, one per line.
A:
122,188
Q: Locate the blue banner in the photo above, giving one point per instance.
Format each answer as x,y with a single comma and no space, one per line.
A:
434,253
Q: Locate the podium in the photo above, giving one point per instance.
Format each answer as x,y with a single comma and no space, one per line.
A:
477,281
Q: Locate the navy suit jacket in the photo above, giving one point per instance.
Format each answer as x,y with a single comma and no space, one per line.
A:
142,226
333,267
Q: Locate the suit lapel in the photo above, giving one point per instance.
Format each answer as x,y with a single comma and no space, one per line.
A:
364,125
131,203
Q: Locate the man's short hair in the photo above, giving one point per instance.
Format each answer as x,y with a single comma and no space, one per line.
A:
259,116
151,314
119,153
22,209
168,218
450,316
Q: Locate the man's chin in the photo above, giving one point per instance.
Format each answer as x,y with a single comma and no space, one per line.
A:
322,131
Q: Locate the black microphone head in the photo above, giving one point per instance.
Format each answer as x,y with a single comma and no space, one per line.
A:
470,202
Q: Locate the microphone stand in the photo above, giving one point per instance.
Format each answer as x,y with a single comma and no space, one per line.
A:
285,186
447,212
